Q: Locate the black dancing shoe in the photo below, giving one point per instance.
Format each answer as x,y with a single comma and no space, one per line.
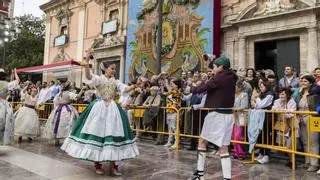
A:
198,175
57,142
20,140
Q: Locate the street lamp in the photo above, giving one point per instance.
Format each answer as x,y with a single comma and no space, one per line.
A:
5,38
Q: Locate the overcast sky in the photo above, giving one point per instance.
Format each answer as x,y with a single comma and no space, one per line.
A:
28,7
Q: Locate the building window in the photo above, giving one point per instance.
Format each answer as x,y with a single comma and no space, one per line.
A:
64,30
4,6
114,14
2,17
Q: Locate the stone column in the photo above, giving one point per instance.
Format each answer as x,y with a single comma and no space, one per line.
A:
312,48
242,52
81,24
46,56
122,68
47,40
121,11
125,17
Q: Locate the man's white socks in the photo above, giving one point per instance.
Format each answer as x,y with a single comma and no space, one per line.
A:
226,165
201,160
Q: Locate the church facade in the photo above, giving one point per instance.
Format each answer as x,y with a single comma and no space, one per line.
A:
262,34
75,27
271,34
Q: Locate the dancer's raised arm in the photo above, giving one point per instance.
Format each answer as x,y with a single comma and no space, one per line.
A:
85,63
16,75
14,84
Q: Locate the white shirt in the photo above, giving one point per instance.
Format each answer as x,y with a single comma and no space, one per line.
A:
265,102
289,79
44,95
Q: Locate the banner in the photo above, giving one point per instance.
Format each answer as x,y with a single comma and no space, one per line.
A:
187,34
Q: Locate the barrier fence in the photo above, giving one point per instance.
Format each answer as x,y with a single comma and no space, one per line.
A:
281,129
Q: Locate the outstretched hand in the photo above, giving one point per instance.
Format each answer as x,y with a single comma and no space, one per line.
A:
85,61
86,58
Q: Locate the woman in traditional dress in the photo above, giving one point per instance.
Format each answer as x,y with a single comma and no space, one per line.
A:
26,118
284,122
102,132
6,113
62,118
241,102
174,99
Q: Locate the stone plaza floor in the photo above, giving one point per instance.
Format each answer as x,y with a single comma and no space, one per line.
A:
41,160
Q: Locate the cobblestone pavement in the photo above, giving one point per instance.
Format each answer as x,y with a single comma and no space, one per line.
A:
41,160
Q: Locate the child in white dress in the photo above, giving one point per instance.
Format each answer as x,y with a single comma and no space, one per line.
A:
26,118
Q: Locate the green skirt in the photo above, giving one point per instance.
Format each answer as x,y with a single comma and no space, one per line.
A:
96,148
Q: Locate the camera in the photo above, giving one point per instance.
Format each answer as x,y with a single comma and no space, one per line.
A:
209,57
206,57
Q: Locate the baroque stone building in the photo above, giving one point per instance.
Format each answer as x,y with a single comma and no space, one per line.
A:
6,11
270,34
74,27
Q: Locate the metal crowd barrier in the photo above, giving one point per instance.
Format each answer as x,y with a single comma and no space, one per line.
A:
157,125
279,133
45,109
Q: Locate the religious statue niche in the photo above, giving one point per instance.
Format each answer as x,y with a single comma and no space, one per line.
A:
64,17
266,7
185,37
61,56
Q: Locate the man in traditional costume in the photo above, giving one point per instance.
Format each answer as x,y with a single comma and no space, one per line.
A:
218,124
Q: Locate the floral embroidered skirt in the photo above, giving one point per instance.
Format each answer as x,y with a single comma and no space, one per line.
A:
101,133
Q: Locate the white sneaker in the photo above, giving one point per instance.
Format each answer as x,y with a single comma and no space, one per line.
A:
318,172
173,147
259,157
264,160
168,144
115,172
100,171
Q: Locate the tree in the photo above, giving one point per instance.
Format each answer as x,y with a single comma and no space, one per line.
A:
26,46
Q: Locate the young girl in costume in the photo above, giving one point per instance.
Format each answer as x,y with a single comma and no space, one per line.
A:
174,99
26,118
62,118
102,132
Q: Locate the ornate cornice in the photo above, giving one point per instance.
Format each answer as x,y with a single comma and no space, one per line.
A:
64,13
100,2
262,8
107,42
82,5
53,6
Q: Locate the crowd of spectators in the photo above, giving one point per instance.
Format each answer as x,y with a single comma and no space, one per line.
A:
261,89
